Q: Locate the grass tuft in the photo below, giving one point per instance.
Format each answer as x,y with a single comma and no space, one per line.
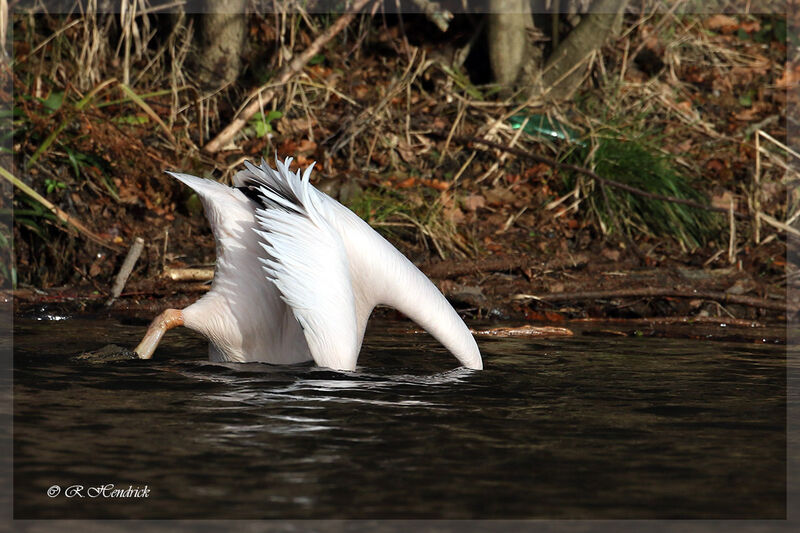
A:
634,163
405,216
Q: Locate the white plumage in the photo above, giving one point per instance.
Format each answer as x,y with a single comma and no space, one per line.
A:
298,275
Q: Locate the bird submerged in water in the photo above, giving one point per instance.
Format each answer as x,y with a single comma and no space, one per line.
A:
297,276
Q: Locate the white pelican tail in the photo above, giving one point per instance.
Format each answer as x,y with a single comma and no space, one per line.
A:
298,275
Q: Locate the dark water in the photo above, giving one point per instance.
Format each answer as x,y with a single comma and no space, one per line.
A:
584,427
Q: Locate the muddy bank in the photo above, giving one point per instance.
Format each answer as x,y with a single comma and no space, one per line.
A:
676,301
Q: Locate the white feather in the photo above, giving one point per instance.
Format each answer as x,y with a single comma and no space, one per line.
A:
298,275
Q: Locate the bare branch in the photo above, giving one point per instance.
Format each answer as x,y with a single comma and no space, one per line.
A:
288,71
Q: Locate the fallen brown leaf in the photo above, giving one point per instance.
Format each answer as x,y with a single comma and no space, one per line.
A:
473,202
722,23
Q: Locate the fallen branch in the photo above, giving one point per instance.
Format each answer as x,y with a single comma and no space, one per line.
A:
723,297
288,71
524,331
605,181
456,267
126,269
61,215
189,274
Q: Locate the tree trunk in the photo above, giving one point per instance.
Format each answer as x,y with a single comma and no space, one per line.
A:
219,41
509,46
563,71
515,59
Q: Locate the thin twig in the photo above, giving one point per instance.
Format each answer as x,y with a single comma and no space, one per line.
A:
755,196
44,43
732,236
778,224
461,110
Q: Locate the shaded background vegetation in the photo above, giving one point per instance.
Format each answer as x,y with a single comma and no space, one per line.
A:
675,102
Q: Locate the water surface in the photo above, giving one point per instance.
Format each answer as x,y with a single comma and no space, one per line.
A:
583,427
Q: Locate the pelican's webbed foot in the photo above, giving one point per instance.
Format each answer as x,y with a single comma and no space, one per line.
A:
160,325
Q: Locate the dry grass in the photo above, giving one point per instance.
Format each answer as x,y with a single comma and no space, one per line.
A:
383,133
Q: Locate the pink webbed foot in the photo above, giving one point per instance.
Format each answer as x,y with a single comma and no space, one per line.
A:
167,320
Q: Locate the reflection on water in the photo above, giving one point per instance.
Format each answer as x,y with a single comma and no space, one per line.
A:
583,427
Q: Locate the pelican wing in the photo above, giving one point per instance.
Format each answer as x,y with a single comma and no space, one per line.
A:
306,260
